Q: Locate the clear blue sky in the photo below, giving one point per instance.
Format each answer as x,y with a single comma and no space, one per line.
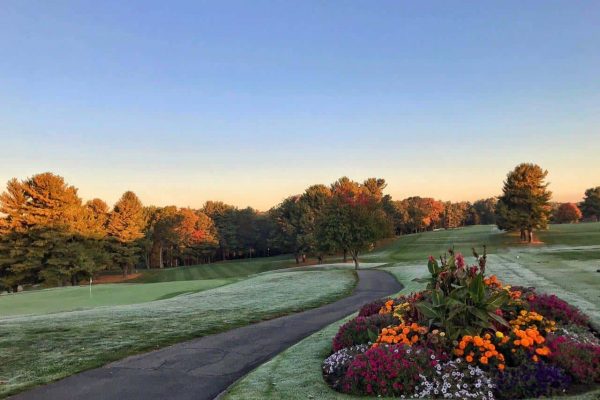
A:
250,101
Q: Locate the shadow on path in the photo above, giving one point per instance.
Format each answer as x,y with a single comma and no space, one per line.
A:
204,367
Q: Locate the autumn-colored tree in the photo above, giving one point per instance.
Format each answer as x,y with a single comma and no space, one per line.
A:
354,218
48,235
455,214
590,206
197,236
95,215
44,200
125,228
567,213
525,201
417,214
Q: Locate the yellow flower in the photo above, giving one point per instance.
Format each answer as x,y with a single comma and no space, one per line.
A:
499,335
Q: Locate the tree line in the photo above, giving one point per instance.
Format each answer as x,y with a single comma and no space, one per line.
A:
50,236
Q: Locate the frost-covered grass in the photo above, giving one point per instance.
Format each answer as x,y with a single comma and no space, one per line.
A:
573,281
296,372
37,302
39,349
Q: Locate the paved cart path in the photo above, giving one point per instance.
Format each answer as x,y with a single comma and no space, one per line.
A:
203,368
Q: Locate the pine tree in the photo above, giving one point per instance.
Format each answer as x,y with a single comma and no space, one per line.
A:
525,201
43,216
43,200
95,214
22,256
590,206
125,228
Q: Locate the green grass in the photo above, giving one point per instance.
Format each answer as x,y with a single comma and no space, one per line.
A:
79,297
411,248
296,372
38,349
219,270
583,234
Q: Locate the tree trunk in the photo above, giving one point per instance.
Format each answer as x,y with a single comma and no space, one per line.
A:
297,256
530,235
345,255
303,258
523,236
320,259
356,265
160,257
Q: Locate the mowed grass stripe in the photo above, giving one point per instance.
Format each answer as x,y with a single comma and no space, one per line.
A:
219,270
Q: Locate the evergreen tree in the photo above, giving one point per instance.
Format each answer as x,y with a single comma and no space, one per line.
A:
125,228
484,211
590,206
95,214
225,220
525,201
44,200
22,256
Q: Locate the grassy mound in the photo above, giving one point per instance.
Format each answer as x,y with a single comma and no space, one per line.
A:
38,349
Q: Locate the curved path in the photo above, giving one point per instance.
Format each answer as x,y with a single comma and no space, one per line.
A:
203,368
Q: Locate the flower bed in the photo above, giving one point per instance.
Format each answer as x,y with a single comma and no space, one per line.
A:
466,336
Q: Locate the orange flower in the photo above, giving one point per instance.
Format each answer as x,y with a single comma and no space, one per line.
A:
501,367
469,359
483,360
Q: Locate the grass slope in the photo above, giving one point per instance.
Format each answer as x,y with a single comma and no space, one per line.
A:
219,270
296,372
54,300
38,349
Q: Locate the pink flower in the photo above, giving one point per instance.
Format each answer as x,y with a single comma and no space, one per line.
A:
460,261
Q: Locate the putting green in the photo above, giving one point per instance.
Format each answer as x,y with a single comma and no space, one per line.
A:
38,302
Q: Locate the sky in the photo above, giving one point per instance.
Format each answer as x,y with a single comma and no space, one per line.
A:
251,101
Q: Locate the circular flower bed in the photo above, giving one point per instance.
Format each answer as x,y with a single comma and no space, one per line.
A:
466,336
